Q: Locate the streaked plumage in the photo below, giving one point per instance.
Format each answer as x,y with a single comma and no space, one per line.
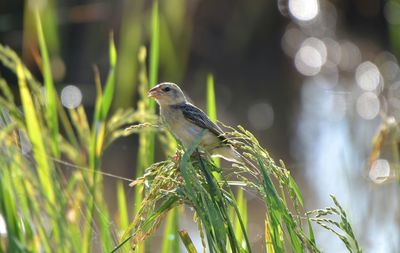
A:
186,122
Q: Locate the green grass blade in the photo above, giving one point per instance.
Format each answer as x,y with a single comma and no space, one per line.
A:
110,83
9,211
274,213
51,105
50,25
311,232
81,125
112,51
6,90
66,124
35,135
269,243
240,228
94,153
122,206
278,212
242,209
96,146
121,244
170,241
105,228
296,190
211,106
187,241
123,217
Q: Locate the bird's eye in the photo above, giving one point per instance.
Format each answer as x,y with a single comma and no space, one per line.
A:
166,89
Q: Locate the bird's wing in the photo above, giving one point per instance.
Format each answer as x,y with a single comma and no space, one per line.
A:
199,118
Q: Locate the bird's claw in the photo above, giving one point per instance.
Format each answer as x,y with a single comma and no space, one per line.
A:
176,157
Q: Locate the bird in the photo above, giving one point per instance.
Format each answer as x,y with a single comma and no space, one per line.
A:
186,122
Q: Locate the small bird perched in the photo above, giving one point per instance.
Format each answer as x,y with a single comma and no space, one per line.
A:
186,122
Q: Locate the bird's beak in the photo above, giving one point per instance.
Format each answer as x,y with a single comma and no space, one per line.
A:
154,93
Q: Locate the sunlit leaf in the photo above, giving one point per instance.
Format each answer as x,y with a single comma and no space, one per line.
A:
51,105
187,241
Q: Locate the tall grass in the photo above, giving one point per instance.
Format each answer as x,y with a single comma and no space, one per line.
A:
48,210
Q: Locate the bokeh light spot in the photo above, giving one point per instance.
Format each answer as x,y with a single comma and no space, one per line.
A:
311,56
3,228
308,60
261,116
368,105
368,76
379,171
71,96
304,10
319,45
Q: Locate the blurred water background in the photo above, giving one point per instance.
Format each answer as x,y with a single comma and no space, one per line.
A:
313,79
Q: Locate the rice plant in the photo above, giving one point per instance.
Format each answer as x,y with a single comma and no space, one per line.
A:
341,228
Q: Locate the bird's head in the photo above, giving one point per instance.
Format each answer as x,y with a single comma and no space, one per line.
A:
167,94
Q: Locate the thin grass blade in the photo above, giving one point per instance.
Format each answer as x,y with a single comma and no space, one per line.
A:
170,241
35,135
51,105
242,210
122,206
211,106
187,241
110,83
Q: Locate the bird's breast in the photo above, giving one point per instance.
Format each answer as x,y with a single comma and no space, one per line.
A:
184,130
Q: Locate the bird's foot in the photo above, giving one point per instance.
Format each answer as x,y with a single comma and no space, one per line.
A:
176,157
